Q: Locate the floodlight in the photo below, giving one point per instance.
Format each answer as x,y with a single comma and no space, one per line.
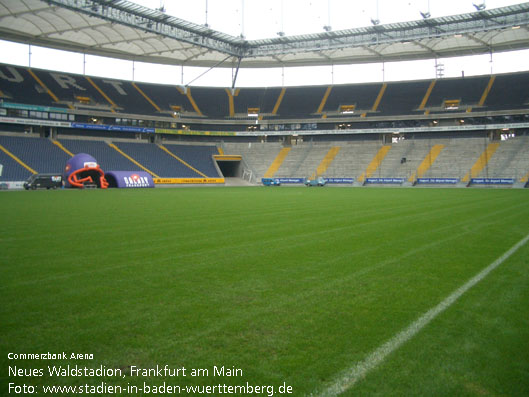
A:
480,7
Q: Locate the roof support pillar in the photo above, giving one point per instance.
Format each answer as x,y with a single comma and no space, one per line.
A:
235,75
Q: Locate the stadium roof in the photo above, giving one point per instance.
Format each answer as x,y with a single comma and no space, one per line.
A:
123,29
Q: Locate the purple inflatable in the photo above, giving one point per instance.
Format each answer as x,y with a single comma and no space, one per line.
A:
82,169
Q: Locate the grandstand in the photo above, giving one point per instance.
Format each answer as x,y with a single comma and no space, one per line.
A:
378,130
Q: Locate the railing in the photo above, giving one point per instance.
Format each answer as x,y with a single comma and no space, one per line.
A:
247,175
248,172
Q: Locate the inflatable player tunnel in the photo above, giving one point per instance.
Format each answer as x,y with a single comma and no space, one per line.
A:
83,171
129,179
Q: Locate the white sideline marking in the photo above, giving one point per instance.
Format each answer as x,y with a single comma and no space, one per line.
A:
359,370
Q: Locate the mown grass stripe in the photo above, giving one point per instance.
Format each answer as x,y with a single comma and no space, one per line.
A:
373,360
251,226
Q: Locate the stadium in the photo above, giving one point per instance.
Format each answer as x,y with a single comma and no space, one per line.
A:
241,234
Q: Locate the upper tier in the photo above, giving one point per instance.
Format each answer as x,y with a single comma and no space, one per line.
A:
77,92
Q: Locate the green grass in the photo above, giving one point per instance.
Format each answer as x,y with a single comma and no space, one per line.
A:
291,285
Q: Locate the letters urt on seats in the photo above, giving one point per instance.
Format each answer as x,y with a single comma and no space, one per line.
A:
15,77
66,81
117,86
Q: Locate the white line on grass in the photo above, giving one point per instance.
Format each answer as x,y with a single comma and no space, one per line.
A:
359,370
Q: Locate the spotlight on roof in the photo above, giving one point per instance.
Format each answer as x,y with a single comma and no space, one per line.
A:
425,15
375,21
280,34
327,28
480,7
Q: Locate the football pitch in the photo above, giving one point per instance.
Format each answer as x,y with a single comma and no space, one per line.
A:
265,291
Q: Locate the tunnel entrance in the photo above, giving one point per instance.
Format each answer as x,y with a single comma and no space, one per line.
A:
229,165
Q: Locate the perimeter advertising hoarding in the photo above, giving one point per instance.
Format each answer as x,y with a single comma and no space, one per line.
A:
396,181
179,181
340,180
8,185
291,180
492,181
438,181
328,180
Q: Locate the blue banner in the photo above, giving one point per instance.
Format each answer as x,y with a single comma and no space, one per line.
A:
291,180
385,180
443,181
302,180
339,180
104,127
492,181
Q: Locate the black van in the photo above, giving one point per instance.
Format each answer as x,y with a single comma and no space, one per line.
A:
43,181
